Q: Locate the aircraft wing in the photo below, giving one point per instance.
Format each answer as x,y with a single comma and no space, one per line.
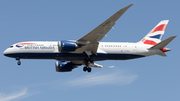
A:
96,65
90,40
90,64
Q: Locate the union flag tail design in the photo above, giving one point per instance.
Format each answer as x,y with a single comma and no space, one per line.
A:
155,35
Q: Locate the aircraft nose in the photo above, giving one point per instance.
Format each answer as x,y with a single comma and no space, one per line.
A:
5,53
9,52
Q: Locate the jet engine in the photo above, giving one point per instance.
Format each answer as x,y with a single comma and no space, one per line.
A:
64,66
67,45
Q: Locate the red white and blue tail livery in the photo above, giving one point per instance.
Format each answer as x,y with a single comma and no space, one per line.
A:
155,35
85,51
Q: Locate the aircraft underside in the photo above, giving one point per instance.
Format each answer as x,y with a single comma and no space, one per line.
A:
74,57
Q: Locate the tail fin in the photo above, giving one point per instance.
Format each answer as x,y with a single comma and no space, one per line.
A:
155,35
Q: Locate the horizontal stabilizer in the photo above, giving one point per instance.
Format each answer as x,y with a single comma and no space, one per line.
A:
163,43
162,54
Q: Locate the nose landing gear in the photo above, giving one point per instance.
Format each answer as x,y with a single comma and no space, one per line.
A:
19,62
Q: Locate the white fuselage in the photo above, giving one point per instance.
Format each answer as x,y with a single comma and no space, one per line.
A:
105,51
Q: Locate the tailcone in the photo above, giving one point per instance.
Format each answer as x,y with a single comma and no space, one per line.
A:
165,49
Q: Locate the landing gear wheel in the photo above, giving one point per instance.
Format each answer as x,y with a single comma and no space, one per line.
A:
84,69
19,62
89,69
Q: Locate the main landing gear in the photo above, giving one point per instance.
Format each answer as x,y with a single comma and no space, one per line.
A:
88,60
87,69
19,62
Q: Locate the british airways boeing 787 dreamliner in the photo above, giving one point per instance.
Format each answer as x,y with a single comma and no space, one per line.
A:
86,50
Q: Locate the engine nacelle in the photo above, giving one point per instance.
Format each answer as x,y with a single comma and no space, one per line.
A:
64,66
66,45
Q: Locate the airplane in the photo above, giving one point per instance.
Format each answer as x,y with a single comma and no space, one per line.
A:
85,51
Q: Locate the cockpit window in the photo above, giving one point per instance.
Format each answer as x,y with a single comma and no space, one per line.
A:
11,47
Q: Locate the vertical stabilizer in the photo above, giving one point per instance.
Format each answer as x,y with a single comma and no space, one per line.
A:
155,35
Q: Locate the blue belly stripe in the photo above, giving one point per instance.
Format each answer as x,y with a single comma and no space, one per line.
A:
72,56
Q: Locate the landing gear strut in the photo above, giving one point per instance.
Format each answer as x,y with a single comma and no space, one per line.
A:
87,69
19,62
87,60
